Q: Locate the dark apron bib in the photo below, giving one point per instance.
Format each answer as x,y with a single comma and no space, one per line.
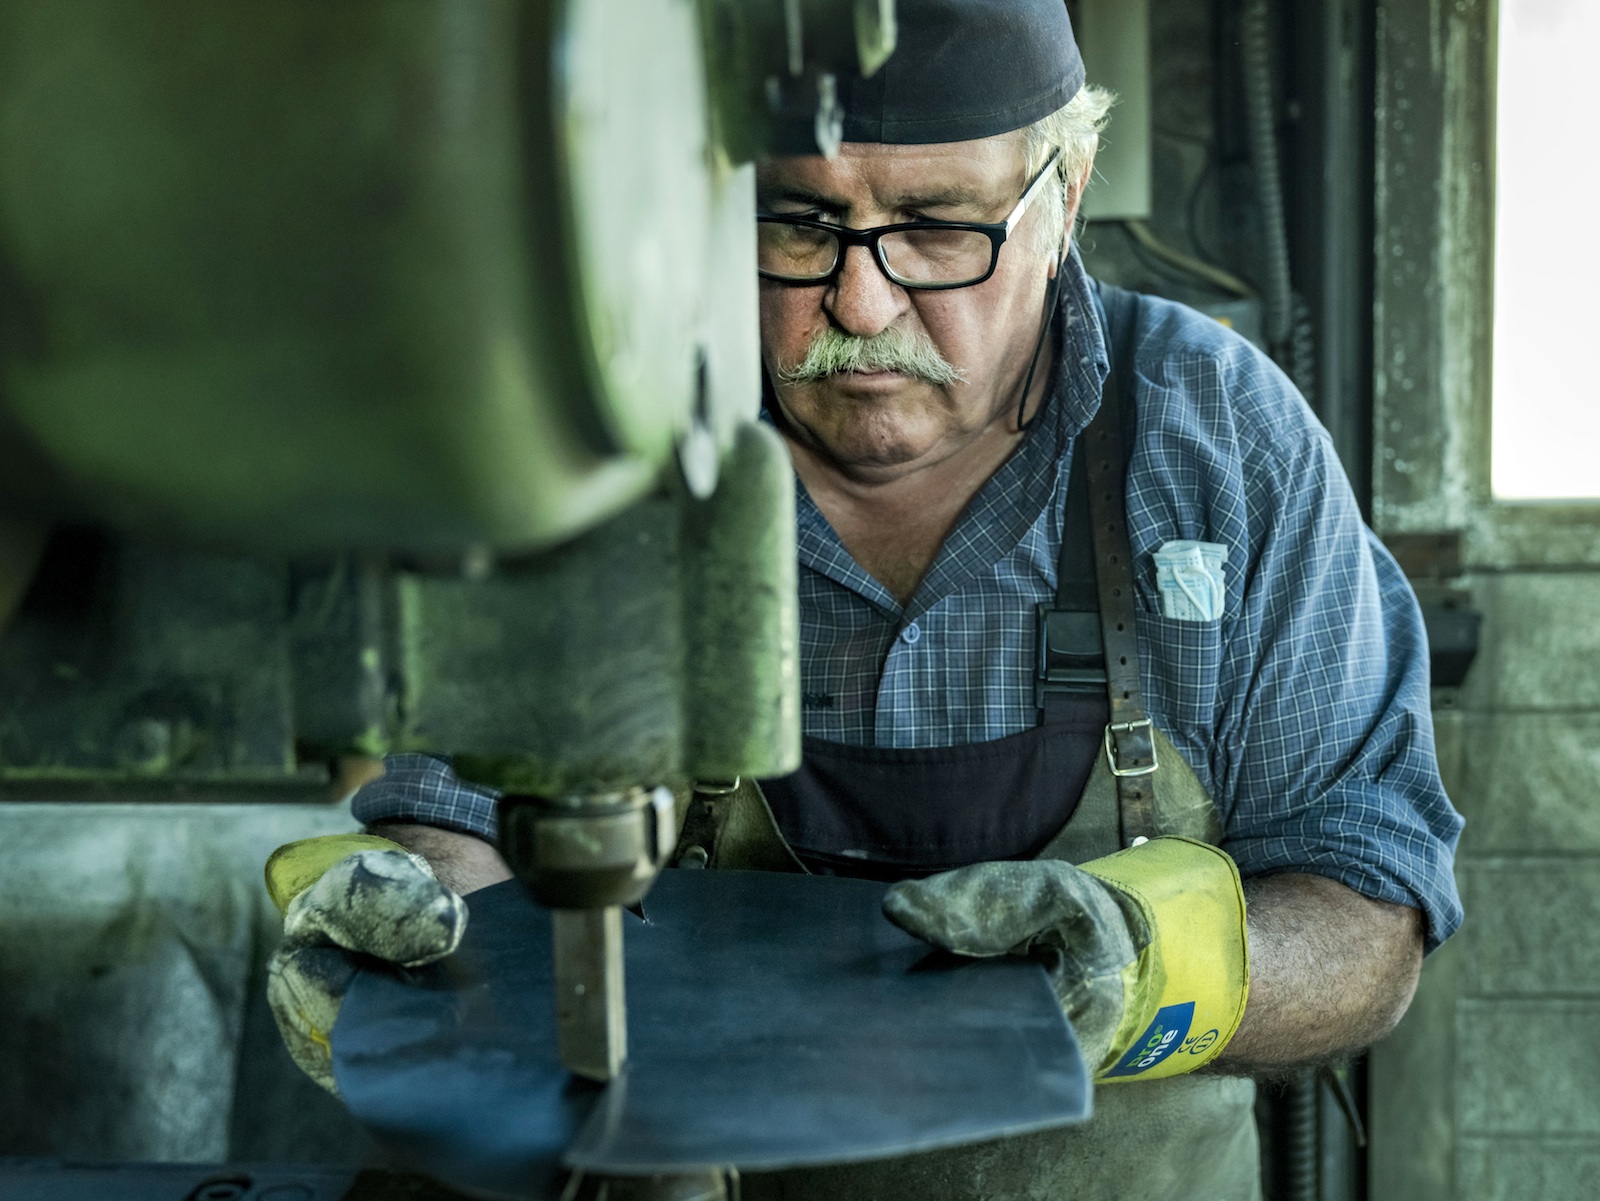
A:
890,813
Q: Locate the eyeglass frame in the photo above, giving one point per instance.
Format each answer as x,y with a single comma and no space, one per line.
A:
872,238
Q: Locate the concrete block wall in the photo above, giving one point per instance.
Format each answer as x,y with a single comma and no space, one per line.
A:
1490,1089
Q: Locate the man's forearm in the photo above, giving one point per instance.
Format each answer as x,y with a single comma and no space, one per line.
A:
463,863
1330,971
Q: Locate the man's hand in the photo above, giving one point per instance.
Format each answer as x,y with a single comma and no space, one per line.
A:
379,900
1145,949
1070,921
1330,971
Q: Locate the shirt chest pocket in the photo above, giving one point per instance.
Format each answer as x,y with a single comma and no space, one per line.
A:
1181,664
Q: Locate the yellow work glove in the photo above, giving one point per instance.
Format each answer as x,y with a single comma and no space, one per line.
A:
1145,948
342,896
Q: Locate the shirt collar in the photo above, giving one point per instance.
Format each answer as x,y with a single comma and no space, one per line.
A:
1082,359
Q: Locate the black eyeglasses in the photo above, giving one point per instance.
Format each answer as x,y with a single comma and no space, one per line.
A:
931,255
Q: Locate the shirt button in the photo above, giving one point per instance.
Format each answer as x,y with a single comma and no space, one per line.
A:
911,635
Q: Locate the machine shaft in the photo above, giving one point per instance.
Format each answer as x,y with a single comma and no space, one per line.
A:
591,1011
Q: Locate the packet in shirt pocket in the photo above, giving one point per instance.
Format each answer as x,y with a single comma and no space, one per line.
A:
1189,576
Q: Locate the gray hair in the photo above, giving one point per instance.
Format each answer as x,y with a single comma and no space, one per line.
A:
1075,131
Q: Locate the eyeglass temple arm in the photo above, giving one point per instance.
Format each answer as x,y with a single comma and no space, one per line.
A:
1045,172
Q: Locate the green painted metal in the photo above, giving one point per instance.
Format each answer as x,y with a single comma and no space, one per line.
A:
363,293
302,276
661,646
132,664
658,647
742,622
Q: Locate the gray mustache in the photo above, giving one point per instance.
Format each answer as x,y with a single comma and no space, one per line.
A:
910,352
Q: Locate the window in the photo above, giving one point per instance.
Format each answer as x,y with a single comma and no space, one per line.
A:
1546,426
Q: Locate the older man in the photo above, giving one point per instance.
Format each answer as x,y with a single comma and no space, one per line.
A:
991,451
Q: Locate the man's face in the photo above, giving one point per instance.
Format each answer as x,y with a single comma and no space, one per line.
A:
885,423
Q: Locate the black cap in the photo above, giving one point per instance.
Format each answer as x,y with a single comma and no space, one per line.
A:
962,70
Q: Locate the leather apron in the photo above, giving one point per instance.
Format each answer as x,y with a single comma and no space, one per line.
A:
894,813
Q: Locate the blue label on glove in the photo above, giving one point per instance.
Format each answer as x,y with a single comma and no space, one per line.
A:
1163,1036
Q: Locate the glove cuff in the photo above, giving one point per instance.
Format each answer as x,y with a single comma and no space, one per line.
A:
296,866
1194,978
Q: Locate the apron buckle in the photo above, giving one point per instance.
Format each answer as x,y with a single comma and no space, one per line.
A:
1112,738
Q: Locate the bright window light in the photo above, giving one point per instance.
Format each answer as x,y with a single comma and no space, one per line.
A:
1547,254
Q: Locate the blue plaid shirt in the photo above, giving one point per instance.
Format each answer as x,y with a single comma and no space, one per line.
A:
1304,710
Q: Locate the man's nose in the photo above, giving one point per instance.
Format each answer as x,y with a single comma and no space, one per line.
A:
862,300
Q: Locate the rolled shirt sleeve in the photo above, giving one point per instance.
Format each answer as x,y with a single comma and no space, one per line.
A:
1314,730
423,788
1327,752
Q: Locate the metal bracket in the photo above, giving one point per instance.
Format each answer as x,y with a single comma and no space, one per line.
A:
1070,656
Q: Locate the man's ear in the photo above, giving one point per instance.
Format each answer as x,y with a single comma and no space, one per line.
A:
1074,199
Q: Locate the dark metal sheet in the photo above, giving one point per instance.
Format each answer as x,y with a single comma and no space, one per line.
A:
774,1021
46,1180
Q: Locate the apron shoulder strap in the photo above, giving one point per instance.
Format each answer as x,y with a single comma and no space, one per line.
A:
1130,747
1088,639
1071,659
